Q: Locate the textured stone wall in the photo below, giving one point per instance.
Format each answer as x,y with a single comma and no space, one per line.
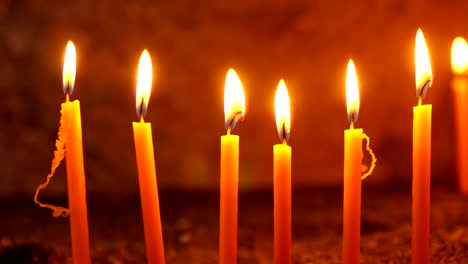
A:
192,44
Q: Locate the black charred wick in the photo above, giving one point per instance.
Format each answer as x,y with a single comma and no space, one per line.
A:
232,121
352,117
141,110
423,90
283,133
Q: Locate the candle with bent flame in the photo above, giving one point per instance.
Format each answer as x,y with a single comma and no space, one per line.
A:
146,168
352,173
74,162
421,156
460,99
282,178
234,110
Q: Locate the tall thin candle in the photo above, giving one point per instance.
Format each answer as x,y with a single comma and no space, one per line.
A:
234,110
146,168
282,178
421,156
460,99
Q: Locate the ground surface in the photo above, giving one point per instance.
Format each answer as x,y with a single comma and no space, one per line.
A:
29,234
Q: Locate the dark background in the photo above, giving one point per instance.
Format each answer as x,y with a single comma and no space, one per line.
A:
192,44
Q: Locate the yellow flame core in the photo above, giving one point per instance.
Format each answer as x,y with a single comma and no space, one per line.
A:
282,109
352,92
460,56
144,80
422,63
234,97
69,68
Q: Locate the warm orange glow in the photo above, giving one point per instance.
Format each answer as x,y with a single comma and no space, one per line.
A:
423,65
234,99
144,79
352,92
459,56
69,68
282,111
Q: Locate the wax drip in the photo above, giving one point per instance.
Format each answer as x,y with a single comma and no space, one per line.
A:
59,154
374,159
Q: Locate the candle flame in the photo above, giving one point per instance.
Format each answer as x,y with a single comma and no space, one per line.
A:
69,68
423,66
352,93
460,56
282,111
234,100
144,79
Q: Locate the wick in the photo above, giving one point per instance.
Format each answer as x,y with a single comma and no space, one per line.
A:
229,131
67,97
142,120
419,100
351,126
285,142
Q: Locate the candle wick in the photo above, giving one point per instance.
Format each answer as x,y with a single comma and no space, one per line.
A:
285,142
229,130
67,97
419,100
352,125
142,120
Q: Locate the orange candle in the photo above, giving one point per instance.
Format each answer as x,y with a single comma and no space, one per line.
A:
146,168
234,110
282,178
460,95
420,242
352,173
74,162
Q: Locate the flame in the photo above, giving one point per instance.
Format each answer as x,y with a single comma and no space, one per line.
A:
422,65
459,56
234,99
352,92
144,79
69,68
282,111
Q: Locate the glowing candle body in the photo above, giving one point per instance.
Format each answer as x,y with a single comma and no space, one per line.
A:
352,196
228,204
234,108
148,192
421,184
460,95
76,184
420,229
282,203
459,61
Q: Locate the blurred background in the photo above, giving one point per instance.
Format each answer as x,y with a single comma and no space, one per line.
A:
192,44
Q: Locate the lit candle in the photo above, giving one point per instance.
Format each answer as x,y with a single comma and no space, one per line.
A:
460,95
352,172
420,243
70,146
282,178
234,110
146,168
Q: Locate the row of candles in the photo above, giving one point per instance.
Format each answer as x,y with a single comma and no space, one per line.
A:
69,145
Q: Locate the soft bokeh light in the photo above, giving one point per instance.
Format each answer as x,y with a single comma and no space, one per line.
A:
144,80
234,98
352,92
282,111
459,56
69,68
422,65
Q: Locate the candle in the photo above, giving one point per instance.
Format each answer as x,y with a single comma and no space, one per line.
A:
70,145
143,140
352,172
420,242
234,110
282,178
460,95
